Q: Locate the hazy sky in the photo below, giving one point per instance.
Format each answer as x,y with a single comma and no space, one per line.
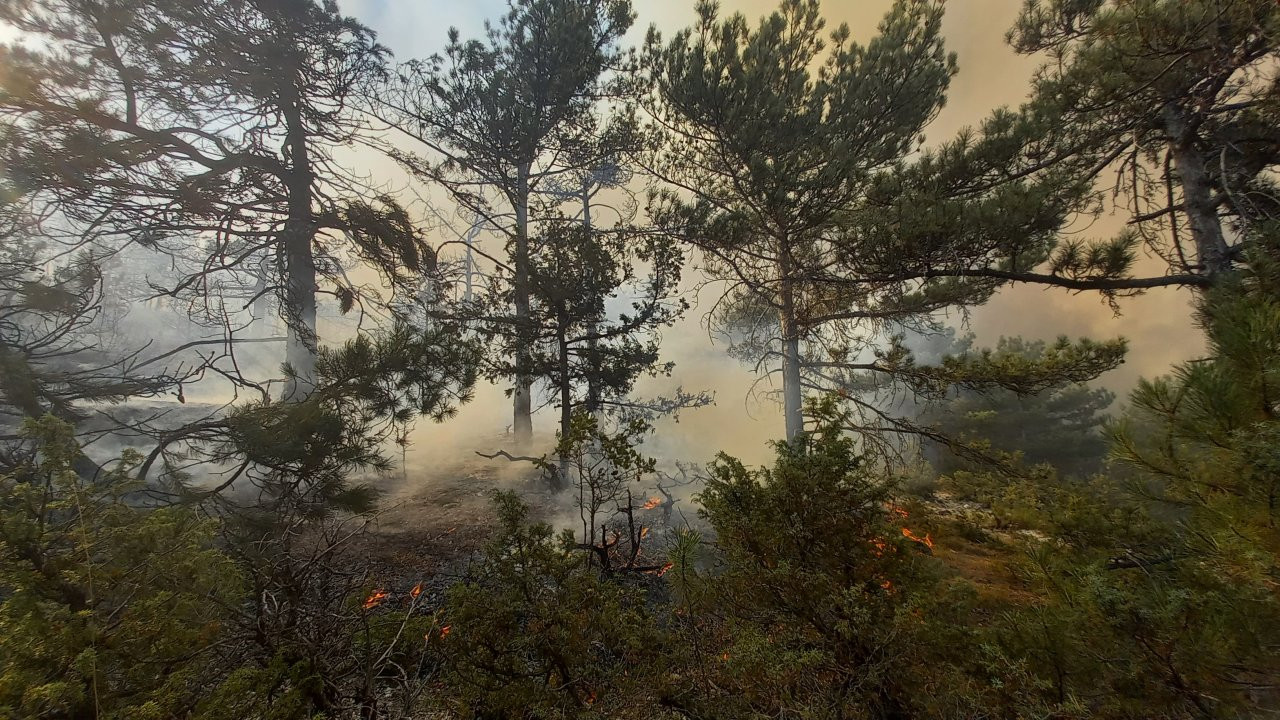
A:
991,75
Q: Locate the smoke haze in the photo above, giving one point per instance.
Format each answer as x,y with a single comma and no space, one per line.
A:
741,421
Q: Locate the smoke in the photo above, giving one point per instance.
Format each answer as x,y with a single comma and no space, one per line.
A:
743,419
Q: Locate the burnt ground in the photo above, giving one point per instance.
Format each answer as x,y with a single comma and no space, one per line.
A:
432,529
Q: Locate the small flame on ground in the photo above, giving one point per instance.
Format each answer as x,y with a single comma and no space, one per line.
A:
926,540
879,546
900,512
663,570
887,584
644,533
653,502
416,591
375,599
591,698
444,631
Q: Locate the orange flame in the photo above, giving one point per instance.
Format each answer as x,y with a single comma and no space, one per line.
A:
663,570
879,546
900,512
653,502
887,584
444,631
416,591
926,540
591,698
725,656
644,533
375,599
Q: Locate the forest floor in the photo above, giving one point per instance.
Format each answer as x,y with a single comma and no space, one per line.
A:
430,531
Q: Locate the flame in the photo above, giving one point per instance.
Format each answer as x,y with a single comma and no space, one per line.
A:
725,656
591,698
879,545
887,584
900,512
375,599
926,540
644,533
663,570
444,631
653,502
416,591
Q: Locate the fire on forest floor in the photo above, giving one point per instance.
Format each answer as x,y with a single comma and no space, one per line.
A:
429,530
428,535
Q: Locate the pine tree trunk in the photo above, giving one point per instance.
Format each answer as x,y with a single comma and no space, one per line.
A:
522,423
566,396
791,392
300,266
1197,195
593,371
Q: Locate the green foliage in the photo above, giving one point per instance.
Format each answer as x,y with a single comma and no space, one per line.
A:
771,139
106,610
524,92
1176,574
820,604
775,127
369,390
165,120
1166,104
591,355
535,632
1024,398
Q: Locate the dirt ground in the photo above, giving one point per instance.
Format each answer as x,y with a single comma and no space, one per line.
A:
430,529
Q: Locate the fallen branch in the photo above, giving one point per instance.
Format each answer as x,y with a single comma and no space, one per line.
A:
509,456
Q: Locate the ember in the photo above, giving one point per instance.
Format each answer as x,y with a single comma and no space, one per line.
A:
879,546
652,503
375,599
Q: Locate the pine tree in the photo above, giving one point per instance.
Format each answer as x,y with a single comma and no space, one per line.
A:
1060,425
509,115
785,159
773,135
205,131
815,594
1173,568
1161,110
